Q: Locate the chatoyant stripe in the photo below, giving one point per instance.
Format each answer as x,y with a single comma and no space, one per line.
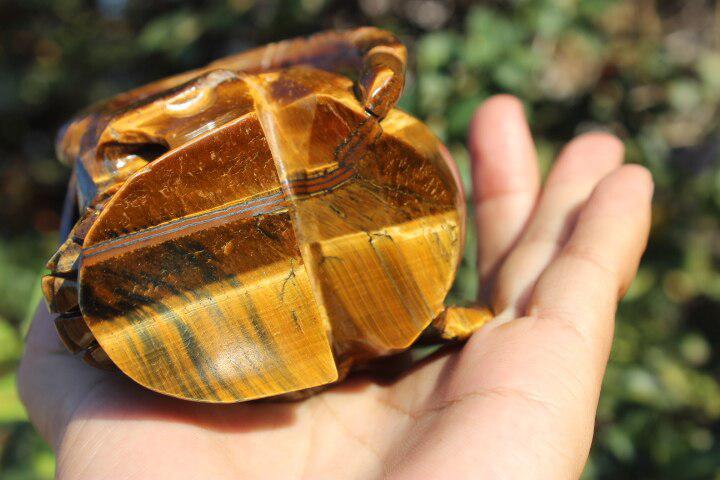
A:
272,202
255,207
320,184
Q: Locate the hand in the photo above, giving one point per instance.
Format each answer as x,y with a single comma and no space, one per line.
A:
518,401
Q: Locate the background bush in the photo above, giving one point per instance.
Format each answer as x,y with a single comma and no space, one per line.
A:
647,70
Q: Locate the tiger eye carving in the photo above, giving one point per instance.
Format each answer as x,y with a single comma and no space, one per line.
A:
259,226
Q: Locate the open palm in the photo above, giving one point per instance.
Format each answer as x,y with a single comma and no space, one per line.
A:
518,401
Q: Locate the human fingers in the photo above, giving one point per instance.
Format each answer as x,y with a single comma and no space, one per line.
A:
577,171
505,176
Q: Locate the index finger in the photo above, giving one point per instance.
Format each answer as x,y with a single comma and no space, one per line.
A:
506,179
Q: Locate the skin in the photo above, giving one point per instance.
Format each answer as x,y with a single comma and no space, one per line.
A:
518,401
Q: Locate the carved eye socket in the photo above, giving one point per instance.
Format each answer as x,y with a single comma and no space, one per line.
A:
122,156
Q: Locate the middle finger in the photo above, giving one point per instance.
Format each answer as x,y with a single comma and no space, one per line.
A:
579,167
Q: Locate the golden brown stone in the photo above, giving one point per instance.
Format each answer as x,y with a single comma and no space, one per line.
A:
249,226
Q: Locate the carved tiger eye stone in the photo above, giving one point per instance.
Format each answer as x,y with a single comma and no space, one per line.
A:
259,226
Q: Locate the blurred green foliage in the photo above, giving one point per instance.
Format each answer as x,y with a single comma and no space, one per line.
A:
647,70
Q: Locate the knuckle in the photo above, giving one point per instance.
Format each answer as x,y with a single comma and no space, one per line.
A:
599,263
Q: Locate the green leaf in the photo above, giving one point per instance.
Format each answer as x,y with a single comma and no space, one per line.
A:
436,50
11,409
170,33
